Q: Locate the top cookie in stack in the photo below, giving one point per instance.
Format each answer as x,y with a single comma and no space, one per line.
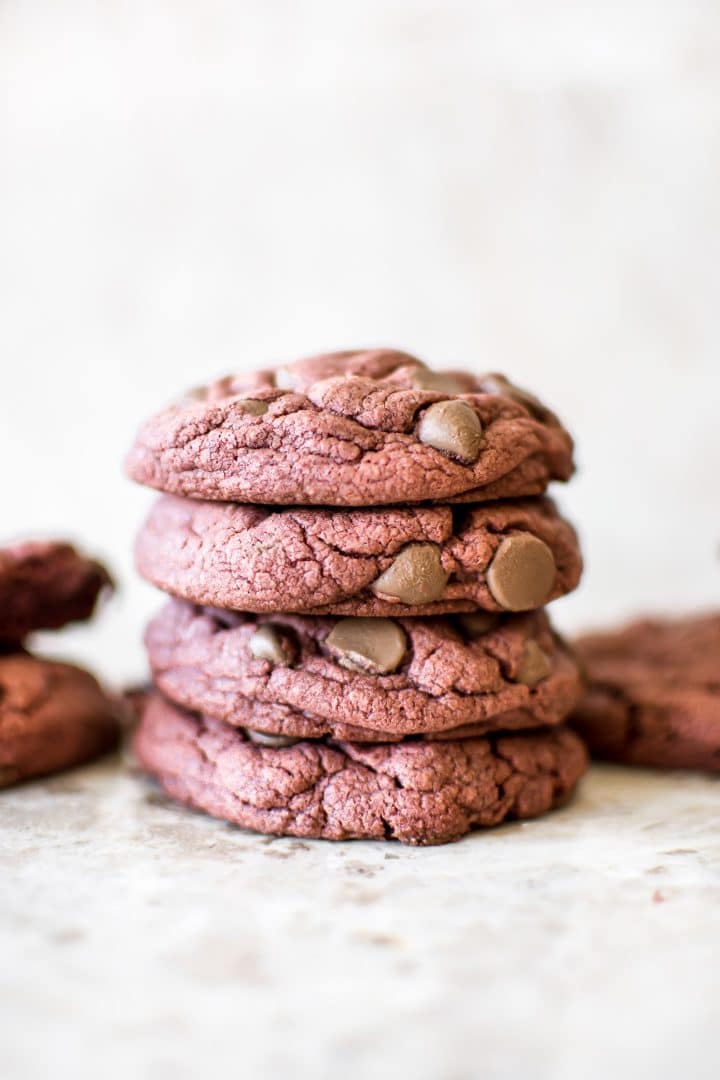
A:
354,429
364,488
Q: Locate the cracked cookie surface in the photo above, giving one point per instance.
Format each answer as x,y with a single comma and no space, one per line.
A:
45,585
653,695
347,562
360,428
416,792
52,716
511,674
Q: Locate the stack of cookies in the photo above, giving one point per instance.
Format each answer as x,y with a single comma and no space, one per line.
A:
52,715
359,551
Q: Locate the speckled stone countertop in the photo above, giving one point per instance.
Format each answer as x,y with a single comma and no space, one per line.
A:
142,940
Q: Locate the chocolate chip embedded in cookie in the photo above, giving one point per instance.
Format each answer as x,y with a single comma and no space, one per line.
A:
269,643
535,664
385,561
52,716
522,573
417,792
372,646
454,428
362,428
372,678
653,695
44,585
416,576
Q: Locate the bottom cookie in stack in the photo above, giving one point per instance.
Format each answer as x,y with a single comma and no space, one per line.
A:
415,791
653,694
412,729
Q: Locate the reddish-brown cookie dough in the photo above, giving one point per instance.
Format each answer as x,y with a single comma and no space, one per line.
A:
44,585
653,695
52,716
386,561
301,676
416,792
354,429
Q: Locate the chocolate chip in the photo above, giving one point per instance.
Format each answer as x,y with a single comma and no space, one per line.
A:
252,406
498,384
415,576
371,646
444,382
522,573
453,427
267,644
478,623
262,739
535,665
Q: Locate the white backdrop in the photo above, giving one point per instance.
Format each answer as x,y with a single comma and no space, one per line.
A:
187,189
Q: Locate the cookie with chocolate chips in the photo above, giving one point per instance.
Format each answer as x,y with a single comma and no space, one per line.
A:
653,695
45,585
364,679
52,716
427,560
361,428
417,792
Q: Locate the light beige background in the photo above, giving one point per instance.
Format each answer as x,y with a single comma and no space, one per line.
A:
188,189
192,187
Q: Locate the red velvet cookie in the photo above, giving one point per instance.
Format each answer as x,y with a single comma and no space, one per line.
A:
416,792
425,560
354,429
44,585
653,695
52,716
365,679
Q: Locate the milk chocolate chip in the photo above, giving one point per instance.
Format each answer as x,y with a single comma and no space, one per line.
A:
498,384
478,623
415,576
535,665
522,573
454,428
371,646
442,381
250,405
262,739
267,644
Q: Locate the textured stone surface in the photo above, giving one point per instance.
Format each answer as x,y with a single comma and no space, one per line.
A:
416,792
201,660
52,716
349,440
123,912
257,559
654,693
45,584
